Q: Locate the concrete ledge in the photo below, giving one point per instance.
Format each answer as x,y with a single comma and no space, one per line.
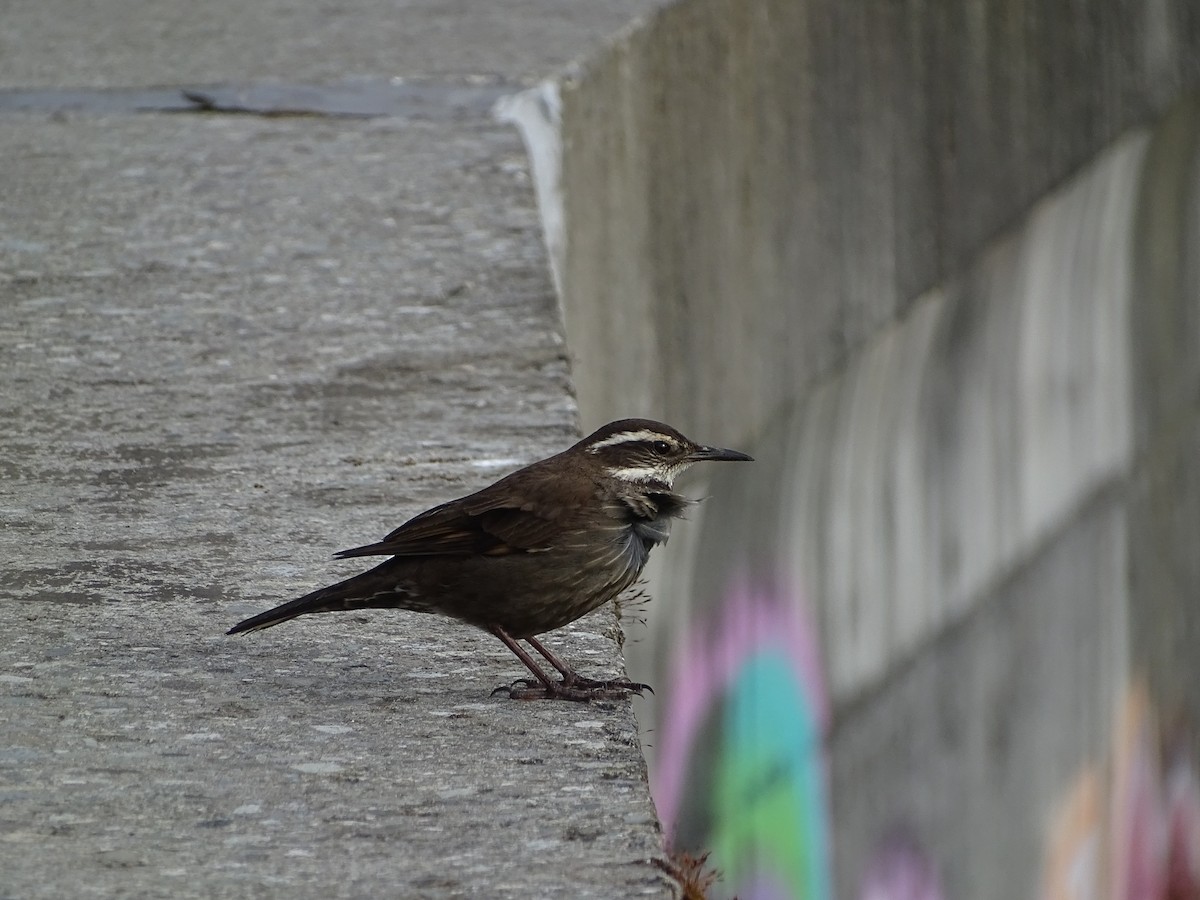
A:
146,753
234,345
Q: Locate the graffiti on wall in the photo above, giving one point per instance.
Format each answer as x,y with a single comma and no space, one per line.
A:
900,869
741,776
1129,827
741,768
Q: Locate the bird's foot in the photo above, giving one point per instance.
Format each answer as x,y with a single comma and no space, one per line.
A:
578,689
616,684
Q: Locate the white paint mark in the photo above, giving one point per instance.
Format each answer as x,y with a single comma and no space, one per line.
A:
318,768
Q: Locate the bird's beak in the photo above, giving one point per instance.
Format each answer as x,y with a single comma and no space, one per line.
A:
716,453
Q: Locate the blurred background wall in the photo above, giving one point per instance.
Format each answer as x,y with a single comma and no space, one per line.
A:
936,266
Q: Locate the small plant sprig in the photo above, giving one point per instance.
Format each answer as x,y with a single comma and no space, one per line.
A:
692,873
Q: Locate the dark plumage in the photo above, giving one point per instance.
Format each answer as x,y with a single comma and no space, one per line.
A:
532,552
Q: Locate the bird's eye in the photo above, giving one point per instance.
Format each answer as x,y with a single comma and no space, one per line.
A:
662,448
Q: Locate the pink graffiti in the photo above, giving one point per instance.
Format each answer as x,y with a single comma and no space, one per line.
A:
900,870
707,661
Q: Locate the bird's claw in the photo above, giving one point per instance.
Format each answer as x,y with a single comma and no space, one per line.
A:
578,689
617,684
522,689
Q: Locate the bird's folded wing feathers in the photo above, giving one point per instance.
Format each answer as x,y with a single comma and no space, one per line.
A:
465,529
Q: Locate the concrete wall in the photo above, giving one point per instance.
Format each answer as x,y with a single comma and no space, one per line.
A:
934,266
753,188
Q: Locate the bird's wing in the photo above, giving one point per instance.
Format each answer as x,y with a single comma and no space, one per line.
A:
493,526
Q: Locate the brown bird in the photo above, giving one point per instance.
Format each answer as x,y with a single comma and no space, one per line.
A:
532,552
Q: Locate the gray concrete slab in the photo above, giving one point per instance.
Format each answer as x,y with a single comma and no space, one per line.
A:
146,755
970,746
232,345
144,43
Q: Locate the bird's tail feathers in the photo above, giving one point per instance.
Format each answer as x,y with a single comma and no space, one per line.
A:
346,595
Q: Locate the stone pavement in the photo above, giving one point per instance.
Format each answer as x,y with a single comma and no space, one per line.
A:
232,345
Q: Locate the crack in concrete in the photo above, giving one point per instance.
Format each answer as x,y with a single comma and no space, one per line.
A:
359,99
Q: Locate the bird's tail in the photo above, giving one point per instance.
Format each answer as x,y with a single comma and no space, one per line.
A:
353,593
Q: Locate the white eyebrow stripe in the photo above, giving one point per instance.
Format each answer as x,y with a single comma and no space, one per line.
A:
628,437
637,474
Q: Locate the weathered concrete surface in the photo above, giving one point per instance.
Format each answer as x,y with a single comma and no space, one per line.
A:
990,514
1164,490
966,572
232,346
971,743
898,493
147,755
751,189
152,44
934,267
957,441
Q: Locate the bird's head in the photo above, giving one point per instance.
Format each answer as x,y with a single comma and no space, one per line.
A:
641,451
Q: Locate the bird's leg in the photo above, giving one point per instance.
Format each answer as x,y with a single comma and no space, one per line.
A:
516,648
574,679
576,688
